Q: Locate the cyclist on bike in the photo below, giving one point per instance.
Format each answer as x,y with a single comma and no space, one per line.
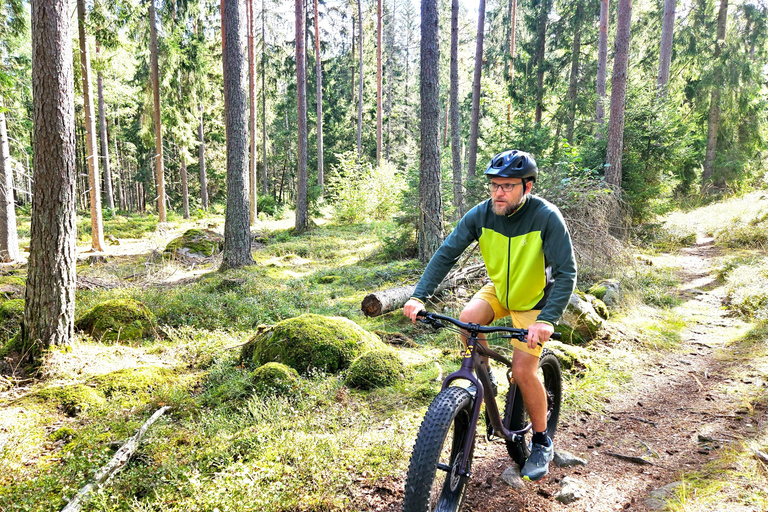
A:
529,258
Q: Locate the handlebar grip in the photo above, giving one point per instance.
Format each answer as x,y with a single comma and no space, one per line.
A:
556,336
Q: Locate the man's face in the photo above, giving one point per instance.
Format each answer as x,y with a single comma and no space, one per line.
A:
506,202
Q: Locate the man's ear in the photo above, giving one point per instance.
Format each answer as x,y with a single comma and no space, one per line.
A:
528,186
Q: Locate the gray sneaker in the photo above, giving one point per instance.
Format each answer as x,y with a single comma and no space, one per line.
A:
494,383
537,465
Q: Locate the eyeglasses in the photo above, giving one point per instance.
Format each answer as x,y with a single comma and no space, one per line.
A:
506,187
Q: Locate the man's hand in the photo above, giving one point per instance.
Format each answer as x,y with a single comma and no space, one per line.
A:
412,308
538,332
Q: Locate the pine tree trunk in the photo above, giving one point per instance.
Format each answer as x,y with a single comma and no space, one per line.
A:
302,217
618,95
264,185
602,65
379,119
390,44
237,234
475,119
201,160
713,124
665,49
319,101
108,193
184,186
360,89
458,188
94,182
160,172
253,188
430,200
574,78
9,238
512,25
541,40
49,308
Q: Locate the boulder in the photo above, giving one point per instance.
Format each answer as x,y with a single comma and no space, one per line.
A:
375,369
196,243
329,344
274,378
580,319
511,477
609,291
118,320
571,357
570,490
565,459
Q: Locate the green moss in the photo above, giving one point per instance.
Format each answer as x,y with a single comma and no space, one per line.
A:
118,319
569,335
571,357
138,382
374,369
197,241
600,308
310,341
328,279
64,433
275,378
11,316
12,280
598,290
71,400
580,294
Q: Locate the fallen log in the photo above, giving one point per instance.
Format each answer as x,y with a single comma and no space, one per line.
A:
384,301
120,459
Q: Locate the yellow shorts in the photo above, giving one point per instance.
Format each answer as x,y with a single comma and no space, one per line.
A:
520,319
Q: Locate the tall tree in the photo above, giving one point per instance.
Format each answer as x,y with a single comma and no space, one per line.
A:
252,114
159,168
541,41
665,49
618,95
9,238
237,234
574,78
379,118
430,199
319,101
201,160
49,308
263,99
109,195
475,120
602,66
94,180
512,25
458,186
713,124
360,91
302,217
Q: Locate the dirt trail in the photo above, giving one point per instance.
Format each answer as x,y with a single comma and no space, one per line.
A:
676,413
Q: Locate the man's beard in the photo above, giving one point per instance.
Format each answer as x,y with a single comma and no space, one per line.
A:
507,209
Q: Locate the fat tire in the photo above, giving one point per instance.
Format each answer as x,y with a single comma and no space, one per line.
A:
515,415
451,410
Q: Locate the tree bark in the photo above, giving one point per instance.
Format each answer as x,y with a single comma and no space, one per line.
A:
360,90
319,101
159,169
237,234
379,119
263,100
540,53
602,65
665,48
201,160
430,199
302,218
108,191
574,78
49,309
252,116
713,125
458,186
618,95
475,119
512,25
9,238
184,186
97,225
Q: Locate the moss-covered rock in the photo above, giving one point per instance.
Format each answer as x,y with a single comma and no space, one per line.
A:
580,316
608,290
600,308
569,335
118,320
71,400
196,242
11,316
274,378
310,341
141,382
571,357
375,369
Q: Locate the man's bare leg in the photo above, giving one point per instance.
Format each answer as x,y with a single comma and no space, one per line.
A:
477,312
525,369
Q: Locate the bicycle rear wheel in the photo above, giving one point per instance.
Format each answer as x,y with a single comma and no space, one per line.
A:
515,415
433,483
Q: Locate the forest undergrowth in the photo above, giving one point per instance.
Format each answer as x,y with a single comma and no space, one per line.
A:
325,447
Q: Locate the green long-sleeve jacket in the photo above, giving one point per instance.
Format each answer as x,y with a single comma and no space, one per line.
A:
528,255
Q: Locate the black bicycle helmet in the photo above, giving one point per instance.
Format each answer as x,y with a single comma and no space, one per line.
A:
513,164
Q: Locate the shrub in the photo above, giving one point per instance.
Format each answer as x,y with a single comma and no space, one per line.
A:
374,369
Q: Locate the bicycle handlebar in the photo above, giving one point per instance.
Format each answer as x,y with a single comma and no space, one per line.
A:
435,320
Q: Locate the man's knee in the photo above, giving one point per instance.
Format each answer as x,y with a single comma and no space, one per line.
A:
525,366
478,312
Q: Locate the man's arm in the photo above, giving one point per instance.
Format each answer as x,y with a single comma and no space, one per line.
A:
558,251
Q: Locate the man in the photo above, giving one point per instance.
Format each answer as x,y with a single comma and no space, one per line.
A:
529,257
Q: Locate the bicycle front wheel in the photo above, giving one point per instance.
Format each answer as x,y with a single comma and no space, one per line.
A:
433,483
515,415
